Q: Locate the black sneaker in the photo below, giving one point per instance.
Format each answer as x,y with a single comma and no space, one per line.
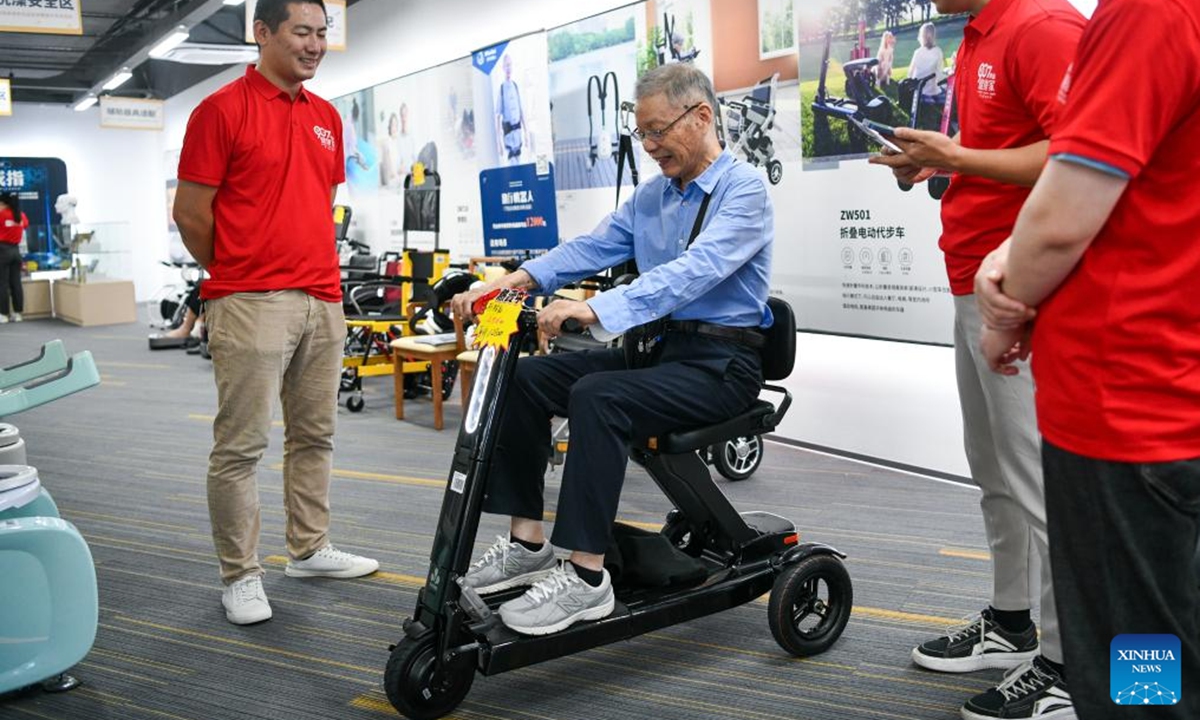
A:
979,644
1032,691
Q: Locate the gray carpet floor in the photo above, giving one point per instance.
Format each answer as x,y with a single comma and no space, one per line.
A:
126,461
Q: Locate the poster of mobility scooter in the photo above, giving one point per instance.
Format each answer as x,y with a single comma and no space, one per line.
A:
593,69
857,256
755,75
866,66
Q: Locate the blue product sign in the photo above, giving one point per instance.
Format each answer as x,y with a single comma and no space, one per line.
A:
520,214
1145,670
484,60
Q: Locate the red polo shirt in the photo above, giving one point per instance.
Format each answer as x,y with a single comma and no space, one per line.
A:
274,162
1007,74
1116,349
11,234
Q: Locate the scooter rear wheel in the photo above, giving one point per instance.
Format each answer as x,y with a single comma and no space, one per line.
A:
810,604
412,686
737,459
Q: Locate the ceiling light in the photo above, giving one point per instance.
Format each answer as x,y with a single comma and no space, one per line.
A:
117,80
211,54
170,42
85,103
234,2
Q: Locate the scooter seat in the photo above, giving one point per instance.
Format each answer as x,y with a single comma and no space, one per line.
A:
758,419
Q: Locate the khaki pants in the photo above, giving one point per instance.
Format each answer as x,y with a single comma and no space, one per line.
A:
283,344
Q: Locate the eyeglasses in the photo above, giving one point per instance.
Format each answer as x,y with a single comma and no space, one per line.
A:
657,135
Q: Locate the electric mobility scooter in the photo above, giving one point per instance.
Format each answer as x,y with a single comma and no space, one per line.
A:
455,633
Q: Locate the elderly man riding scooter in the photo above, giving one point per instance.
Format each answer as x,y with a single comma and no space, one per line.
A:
701,234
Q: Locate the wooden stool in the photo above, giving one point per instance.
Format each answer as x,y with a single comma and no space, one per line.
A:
416,347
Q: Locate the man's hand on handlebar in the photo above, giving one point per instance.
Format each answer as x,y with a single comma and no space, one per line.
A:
552,317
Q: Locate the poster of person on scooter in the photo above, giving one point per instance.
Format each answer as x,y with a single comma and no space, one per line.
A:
866,262
873,64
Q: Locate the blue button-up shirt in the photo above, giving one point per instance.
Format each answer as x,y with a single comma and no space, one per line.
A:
722,278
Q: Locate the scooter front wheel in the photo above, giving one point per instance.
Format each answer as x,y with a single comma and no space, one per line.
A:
810,604
416,687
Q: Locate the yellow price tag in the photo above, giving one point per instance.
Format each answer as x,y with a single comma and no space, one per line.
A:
418,173
497,324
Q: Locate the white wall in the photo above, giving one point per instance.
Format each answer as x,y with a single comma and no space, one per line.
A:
115,174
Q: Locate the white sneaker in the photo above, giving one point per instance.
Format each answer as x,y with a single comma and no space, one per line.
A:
333,563
16,317
245,601
3,319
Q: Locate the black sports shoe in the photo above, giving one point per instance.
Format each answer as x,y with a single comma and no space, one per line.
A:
1031,691
979,644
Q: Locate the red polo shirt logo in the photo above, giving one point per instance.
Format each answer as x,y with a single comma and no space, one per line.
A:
987,81
326,138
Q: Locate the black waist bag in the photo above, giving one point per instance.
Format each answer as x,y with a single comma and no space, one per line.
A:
639,558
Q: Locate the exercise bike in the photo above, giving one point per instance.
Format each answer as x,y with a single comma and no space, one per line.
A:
455,633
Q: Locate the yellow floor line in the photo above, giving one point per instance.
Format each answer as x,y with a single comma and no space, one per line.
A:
111,699
381,477
881,614
258,647
368,702
968,554
138,366
124,520
305,667
132,660
104,668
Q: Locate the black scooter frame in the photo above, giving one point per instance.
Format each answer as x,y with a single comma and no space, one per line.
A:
744,559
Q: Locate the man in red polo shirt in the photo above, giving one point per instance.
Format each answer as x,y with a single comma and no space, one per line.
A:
1009,67
1108,250
261,161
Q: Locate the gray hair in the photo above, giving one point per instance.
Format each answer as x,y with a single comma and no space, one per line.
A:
682,84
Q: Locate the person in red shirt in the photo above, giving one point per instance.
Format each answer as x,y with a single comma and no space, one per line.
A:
261,161
1008,70
1107,249
12,227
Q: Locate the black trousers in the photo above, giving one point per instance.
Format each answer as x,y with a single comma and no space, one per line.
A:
698,381
1122,537
10,279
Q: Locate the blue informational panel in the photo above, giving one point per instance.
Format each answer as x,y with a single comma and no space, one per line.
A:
519,211
38,181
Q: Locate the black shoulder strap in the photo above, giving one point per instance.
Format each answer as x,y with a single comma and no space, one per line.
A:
625,156
699,219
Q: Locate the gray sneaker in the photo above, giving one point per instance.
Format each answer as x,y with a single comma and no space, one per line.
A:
508,565
558,602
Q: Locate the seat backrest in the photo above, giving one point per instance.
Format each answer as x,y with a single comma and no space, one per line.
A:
779,352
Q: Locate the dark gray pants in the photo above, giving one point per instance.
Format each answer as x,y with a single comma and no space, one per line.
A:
1122,539
10,279
698,381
